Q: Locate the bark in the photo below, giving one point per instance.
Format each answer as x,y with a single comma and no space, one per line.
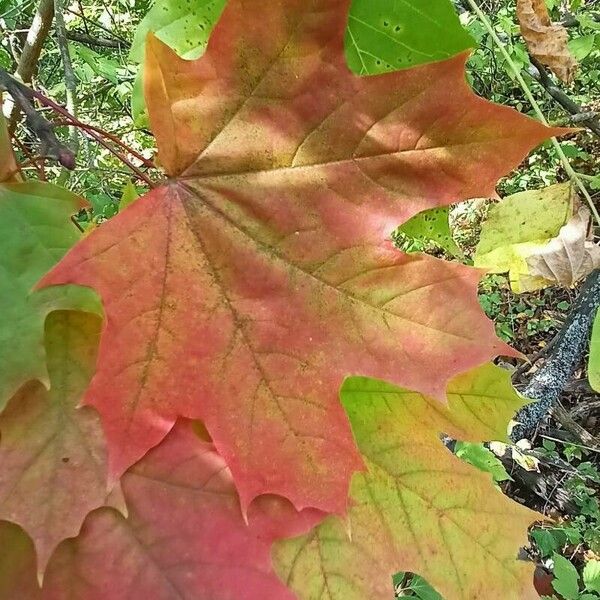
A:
38,32
549,381
85,38
50,146
542,76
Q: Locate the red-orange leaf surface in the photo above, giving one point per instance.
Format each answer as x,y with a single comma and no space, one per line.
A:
184,536
244,290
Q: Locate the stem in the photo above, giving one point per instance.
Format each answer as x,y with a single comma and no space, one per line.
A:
50,145
590,120
31,159
536,107
73,122
86,38
90,131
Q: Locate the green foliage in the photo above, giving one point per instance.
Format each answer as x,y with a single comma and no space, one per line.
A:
567,581
583,488
519,317
384,36
482,458
428,226
566,578
591,576
582,527
552,539
413,586
183,26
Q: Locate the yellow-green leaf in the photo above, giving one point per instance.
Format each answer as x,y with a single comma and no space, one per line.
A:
417,507
519,225
432,225
128,195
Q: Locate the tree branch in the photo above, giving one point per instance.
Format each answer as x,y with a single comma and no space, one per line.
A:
541,75
84,38
572,340
50,145
97,24
28,60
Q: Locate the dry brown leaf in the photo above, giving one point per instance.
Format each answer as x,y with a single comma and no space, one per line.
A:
547,41
570,255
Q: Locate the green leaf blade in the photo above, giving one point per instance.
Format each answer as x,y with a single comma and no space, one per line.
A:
385,36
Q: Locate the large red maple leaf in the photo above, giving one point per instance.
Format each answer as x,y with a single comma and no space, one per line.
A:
245,289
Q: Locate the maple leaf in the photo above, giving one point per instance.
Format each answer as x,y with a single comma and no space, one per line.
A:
53,454
184,535
517,226
36,231
417,507
246,288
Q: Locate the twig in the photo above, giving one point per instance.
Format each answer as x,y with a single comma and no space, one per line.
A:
568,443
113,138
70,79
36,36
584,408
536,107
99,25
91,132
548,382
39,169
568,423
85,38
530,362
44,129
542,76
50,147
